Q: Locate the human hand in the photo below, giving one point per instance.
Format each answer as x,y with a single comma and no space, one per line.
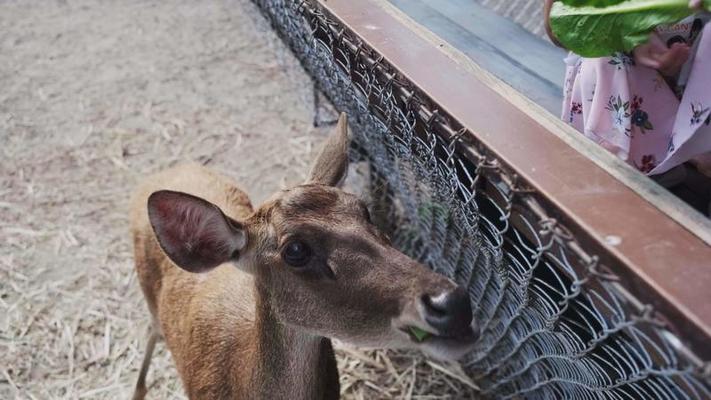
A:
655,54
703,163
695,4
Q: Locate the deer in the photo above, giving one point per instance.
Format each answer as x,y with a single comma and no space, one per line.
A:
247,300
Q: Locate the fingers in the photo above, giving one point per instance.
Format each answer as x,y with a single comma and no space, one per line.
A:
642,56
654,54
670,62
646,55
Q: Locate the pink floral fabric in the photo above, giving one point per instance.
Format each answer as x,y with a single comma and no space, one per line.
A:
633,112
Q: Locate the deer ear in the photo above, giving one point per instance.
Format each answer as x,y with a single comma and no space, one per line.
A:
331,165
192,232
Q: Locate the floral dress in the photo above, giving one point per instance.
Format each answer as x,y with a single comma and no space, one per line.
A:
637,114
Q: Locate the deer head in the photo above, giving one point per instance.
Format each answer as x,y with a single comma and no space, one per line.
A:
325,268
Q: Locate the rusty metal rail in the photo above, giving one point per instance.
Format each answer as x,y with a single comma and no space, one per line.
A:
583,288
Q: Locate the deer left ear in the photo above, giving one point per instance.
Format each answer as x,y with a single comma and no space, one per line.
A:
193,232
331,165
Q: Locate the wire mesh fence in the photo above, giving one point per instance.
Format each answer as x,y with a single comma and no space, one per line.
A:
555,323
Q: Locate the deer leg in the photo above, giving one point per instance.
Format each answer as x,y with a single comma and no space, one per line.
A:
140,392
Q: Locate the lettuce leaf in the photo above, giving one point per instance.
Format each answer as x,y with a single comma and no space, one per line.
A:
598,32
594,3
419,334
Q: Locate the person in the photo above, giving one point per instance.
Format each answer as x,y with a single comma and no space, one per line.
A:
650,107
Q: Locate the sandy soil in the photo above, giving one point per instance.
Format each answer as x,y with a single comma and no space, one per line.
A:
96,94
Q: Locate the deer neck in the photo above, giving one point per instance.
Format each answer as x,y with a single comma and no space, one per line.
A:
290,363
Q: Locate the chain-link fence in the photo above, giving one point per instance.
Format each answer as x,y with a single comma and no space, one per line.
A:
555,322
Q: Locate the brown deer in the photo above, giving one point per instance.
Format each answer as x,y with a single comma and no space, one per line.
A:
247,300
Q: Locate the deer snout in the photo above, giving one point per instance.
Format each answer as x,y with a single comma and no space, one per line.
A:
449,312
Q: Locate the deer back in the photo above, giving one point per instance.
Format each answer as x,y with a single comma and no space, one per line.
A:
199,315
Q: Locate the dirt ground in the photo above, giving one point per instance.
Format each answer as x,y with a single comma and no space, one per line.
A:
94,95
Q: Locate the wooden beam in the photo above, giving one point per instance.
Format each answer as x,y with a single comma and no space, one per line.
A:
658,245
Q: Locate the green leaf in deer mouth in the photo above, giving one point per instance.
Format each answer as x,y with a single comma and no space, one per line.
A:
418,334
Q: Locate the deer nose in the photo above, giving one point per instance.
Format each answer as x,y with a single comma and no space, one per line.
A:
449,312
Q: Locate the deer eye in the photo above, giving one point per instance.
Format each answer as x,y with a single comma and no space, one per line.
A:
296,253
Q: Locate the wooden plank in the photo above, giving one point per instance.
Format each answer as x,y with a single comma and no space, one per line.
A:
529,64
661,198
663,261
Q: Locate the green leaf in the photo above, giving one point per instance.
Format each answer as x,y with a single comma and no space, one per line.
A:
598,32
419,334
593,3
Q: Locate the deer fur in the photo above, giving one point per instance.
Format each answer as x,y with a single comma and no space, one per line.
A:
239,321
